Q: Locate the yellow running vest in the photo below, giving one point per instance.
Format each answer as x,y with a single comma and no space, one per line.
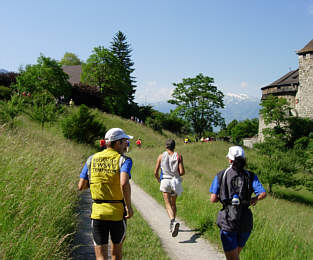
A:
105,186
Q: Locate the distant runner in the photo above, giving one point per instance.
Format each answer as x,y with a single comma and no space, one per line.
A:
108,173
138,142
172,167
102,144
233,187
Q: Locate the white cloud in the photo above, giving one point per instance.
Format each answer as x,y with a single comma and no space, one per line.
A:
151,92
243,84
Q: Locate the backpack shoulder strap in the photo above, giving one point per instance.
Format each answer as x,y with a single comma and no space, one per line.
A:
251,177
89,160
123,158
223,176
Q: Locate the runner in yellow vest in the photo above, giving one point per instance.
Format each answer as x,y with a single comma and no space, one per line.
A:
108,173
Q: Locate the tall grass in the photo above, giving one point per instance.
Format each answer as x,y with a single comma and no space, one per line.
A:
37,190
39,172
282,229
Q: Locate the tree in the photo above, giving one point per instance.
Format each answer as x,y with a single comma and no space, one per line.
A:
198,101
244,129
83,126
104,70
276,168
47,75
275,111
43,108
121,49
70,59
225,132
10,110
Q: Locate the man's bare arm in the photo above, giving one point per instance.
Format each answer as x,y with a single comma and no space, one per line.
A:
83,184
261,196
157,168
181,167
126,190
214,198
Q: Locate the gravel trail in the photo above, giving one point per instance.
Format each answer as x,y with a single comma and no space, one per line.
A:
187,245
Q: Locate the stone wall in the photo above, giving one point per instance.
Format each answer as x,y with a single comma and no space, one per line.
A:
249,142
304,97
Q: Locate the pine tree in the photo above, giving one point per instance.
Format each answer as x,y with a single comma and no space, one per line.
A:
122,51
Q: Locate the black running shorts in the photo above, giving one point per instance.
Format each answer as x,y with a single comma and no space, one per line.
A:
102,228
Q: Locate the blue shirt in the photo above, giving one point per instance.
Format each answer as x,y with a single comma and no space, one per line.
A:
256,185
126,167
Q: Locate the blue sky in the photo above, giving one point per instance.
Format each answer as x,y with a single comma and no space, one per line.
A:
243,44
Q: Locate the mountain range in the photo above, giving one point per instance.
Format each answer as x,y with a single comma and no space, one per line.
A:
3,71
237,106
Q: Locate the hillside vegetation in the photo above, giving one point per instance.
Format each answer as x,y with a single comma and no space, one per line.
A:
282,229
40,168
38,189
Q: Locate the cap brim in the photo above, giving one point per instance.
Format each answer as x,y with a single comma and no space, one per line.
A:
129,137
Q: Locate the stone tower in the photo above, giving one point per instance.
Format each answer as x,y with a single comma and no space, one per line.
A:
296,86
304,96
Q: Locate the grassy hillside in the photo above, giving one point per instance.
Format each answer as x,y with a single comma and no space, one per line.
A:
282,229
39,174
40,171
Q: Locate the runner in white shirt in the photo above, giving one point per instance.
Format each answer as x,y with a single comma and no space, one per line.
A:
172,168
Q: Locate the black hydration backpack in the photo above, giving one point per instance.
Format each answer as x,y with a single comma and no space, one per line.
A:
235,217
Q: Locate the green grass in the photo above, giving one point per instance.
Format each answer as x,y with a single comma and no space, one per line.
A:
282,229
141,242
39,172
38,190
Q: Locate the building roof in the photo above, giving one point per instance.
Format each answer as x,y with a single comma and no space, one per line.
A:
307,48
74,73
291,78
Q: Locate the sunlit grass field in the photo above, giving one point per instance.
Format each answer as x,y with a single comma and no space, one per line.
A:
39,172
282,229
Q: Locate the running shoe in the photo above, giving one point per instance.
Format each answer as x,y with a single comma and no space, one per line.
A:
175,229
171,227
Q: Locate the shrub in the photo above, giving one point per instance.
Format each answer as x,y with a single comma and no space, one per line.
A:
82,126
301,143
278,168
6,79
5,92
298,128
174,124
10,110
154,123
43,108
87,95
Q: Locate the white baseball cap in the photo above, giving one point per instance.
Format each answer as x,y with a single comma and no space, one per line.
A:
235,151
116,134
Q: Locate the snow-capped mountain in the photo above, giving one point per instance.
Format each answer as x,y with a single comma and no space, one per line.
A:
3,71
237,106
240,107
237,98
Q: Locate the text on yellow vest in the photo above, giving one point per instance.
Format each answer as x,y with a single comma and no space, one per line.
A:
105,185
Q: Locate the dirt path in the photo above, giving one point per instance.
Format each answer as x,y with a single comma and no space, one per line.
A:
187,245
82,245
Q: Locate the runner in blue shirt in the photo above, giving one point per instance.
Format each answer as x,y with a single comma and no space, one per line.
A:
233,187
